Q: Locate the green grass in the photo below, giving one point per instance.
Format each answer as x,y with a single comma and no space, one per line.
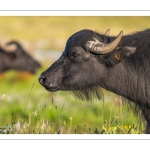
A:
26,107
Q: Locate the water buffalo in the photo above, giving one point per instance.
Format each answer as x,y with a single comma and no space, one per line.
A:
120,64
13,56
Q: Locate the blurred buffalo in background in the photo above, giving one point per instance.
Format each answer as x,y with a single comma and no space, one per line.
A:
13,56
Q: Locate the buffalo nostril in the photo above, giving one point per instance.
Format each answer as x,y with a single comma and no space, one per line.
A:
42,79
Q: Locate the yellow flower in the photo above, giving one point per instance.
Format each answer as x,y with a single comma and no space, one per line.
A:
127,127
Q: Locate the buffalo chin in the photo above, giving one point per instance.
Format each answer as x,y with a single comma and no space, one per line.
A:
88,94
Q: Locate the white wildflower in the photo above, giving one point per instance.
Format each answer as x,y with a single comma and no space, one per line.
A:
17,125
3,96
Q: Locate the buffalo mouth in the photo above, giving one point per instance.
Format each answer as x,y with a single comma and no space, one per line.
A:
50,87
27,71
33,71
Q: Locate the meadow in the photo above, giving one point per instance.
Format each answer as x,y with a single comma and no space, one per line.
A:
27,108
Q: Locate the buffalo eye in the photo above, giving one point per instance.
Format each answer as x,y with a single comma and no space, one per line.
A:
11,56
74,56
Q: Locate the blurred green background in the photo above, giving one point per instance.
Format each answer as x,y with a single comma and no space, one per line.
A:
52,32
27,107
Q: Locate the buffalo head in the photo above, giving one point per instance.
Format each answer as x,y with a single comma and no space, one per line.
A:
86,63
13,56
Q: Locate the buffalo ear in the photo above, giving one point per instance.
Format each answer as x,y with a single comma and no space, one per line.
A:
119,54
124,52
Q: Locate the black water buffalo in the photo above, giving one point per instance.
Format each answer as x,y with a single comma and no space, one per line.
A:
118,64
13,56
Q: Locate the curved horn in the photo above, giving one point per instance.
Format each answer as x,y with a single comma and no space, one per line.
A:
100,48
107,32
